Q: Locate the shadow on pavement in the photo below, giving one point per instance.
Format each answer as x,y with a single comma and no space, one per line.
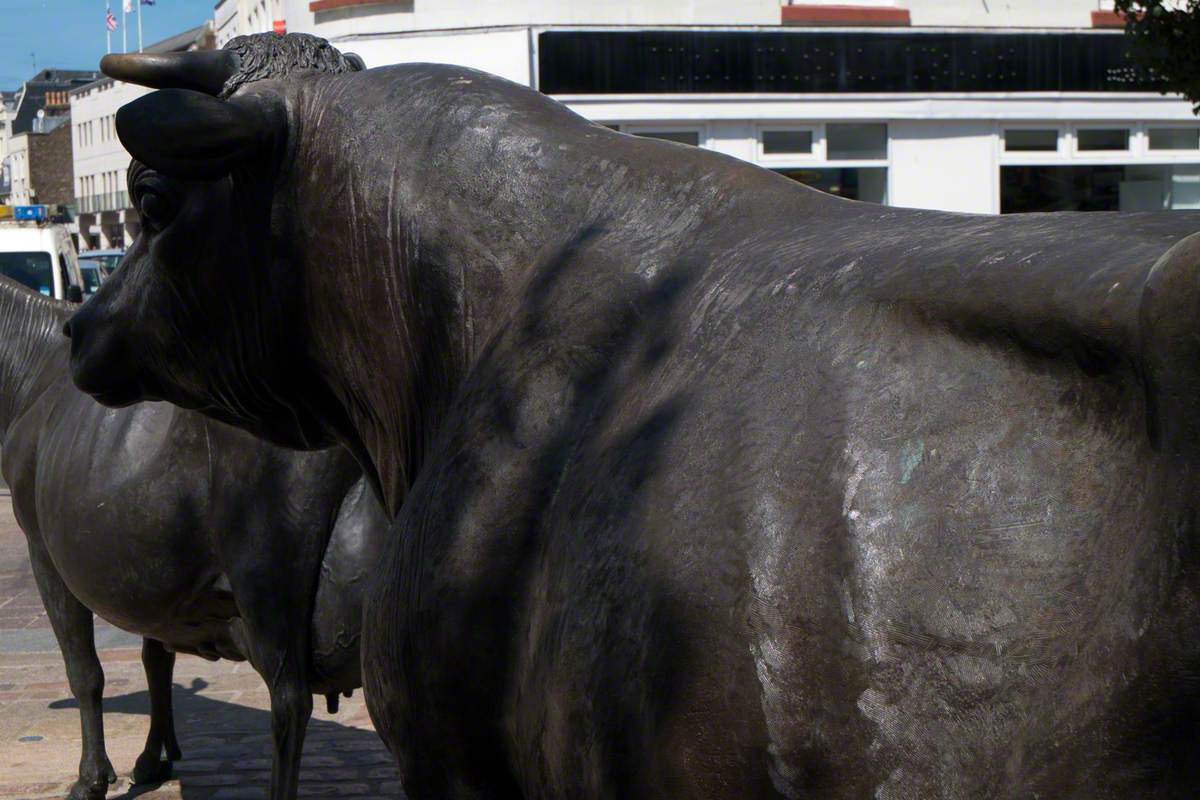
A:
227,746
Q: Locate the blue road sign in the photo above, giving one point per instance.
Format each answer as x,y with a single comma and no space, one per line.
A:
36,213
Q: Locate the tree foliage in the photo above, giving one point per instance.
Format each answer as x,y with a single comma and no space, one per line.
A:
1166,40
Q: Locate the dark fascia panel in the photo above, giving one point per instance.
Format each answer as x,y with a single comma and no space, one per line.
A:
818,62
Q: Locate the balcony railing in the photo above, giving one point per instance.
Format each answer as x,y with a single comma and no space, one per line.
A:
109,201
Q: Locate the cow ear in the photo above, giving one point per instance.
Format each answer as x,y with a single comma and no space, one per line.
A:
188,134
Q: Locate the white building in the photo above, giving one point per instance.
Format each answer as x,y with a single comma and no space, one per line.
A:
39,162
240,17
18,170
8,113
1006,105
104,215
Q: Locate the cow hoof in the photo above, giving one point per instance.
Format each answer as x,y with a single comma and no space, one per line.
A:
149,768
91,790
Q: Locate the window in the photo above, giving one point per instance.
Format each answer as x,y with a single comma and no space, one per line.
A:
31,269
855,183
856,141
1102,139
779,144
1174,138
683,137
1109,187
787,142
1024,140
90,270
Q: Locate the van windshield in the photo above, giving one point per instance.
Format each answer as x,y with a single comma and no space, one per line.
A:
31,269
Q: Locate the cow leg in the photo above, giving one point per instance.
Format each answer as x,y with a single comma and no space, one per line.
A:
159,664
278,648
291,708
74,630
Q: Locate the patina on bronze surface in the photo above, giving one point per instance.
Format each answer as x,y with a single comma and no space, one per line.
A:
190,533
706,484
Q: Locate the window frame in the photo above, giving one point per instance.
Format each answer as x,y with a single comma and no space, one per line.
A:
1061,150
858,162
817,129
1131,143
1151,153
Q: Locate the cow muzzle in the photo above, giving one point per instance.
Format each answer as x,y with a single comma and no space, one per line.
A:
101,363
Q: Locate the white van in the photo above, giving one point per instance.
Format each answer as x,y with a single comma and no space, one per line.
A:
41,256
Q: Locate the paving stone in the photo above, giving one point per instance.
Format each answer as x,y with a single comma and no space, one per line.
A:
328,774
312,789
211,779
240,793
349,745
324,761
187,765
366,758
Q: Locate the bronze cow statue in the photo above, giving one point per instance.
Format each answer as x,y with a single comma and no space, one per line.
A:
191,533
705,484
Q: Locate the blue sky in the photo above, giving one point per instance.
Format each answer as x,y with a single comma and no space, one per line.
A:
70,33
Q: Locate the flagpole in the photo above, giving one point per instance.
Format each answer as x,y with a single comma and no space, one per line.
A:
107,30
139,15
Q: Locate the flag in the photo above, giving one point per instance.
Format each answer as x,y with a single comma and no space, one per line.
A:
147,2
110,21
127,8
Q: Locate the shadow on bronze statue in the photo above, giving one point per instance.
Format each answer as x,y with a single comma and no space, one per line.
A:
239,738
635,334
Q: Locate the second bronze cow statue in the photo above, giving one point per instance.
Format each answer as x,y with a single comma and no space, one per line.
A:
192,534
705,484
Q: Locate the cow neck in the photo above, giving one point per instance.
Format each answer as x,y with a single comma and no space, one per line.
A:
430,246
427,295
30,336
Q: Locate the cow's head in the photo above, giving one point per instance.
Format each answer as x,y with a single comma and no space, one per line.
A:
204,309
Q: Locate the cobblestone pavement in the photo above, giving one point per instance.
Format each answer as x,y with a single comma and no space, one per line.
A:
220,714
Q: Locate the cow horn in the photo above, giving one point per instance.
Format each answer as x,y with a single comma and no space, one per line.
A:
199,70
187,134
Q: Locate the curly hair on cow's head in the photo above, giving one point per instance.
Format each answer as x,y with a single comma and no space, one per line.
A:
268,55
